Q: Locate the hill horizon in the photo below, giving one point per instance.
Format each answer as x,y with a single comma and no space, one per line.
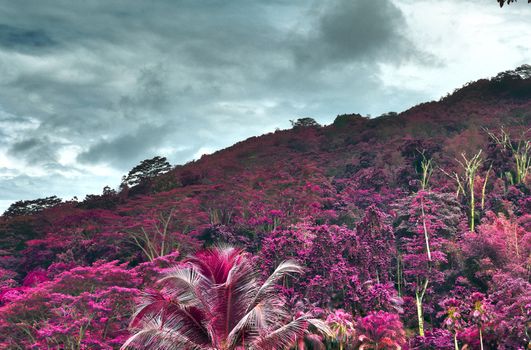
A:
522,71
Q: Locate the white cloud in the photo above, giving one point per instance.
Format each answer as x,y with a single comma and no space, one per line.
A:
471,40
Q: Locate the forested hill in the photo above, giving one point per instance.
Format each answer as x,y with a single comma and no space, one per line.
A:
352,201
446,128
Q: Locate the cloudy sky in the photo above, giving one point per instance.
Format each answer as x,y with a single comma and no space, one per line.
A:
89,89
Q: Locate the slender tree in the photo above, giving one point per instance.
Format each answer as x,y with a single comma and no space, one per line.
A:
342,326
156,241
480,313
520,150
424,223
427,170
453,320
465,183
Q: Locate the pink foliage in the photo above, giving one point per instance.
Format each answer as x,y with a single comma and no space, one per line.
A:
88,305
380,330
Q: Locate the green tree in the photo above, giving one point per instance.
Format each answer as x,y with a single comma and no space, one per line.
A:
147,169
32,206
304,123
503,2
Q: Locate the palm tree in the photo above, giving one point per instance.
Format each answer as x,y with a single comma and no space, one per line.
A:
215,300
380,331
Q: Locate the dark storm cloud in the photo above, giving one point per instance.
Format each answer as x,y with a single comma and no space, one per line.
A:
356,31
35,150
367,29
24,39
120,150
24,146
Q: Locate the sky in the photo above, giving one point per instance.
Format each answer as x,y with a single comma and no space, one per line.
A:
89,89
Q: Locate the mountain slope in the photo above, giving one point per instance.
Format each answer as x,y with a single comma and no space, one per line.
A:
378,154
347,200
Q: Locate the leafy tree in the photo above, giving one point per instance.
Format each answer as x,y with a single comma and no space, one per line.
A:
425,222
521,153
453,317
107,200
339,272
503,2
147,169
214,300
381,331
466,183
31,207
304,123
344,120
375,246
342,326
326,251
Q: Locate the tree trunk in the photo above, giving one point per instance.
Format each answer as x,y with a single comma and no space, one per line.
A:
472,204
428,250
420,316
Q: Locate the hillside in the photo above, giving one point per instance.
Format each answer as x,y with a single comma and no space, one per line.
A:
354,202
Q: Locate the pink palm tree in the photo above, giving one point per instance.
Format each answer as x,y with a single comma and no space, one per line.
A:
215,300
380,331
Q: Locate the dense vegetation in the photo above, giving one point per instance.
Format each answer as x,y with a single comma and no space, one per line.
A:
409,231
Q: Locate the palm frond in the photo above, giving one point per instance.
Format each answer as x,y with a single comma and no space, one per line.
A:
283,337
215,264
190,322
234,296
154,335
249,326
321,326
284,268
183,285
153,304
